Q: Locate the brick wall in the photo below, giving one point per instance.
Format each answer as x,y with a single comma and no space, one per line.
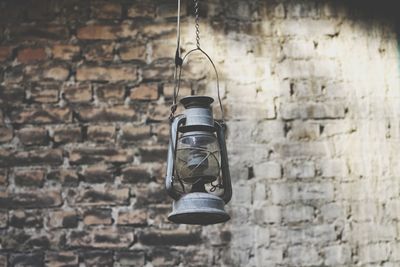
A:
311,93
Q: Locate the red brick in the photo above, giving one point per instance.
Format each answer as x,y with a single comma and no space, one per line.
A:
158,71
97,217
134,133
91,155
105,32
142,9
184,90
111,92
132,52
78,93
103,52
5,53
111,73
41,116
132,217
65,52
112,114
105,10
148,91
45,92
29,177
33,136
29,55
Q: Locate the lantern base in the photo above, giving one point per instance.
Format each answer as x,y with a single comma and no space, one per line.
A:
198,208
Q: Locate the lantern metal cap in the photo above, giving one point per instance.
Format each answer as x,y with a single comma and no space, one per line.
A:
199,208
195,101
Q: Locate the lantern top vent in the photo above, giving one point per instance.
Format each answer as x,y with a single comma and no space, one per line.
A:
196,101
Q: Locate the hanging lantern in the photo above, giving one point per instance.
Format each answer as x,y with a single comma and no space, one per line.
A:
198,176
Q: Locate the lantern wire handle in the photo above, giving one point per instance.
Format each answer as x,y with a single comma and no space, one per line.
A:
179,61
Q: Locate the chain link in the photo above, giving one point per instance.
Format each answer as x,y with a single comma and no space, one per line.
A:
196,13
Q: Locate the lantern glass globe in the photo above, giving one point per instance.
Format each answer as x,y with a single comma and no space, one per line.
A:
197,157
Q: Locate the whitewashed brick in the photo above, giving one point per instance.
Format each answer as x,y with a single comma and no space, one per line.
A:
337,255
298,213
266,214
334,168
299,169
287,193
268,170
304,256
374,253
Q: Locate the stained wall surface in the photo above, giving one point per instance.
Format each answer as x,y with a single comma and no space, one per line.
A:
311,97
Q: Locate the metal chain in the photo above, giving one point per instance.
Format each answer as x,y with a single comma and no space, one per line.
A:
196,13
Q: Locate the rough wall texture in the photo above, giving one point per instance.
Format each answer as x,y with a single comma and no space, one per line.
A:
311,92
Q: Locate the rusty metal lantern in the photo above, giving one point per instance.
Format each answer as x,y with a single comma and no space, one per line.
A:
198,177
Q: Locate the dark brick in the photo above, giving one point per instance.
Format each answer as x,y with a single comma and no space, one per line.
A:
98,258
3,177
136,174
106,10
101,238
33,157
11,95
98,174
62,219
5,54
3,219
99,197
26,219
134,133
27,259
97,216
41,116
30,199
33,136
3,260
65,177
154,154
95,155
67,134
169,238
151,193
29,177
61,259
112,114
39,32
6,134
130,258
